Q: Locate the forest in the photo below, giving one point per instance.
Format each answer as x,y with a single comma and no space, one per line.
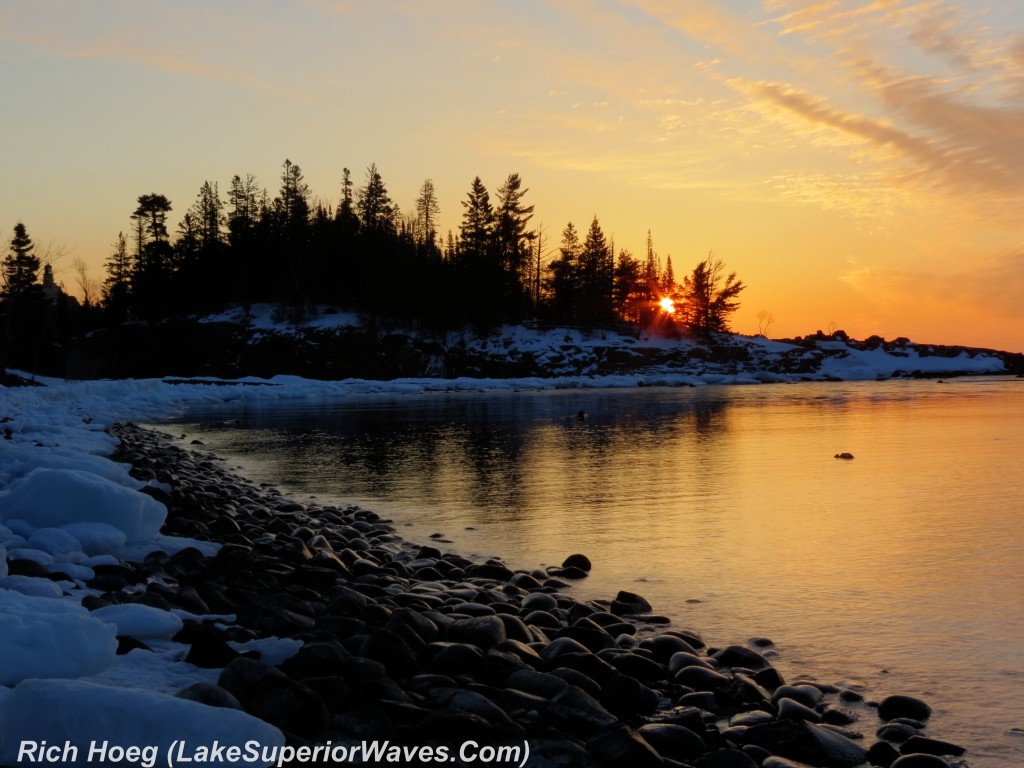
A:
363,254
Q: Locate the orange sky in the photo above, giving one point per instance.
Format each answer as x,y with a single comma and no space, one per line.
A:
859,164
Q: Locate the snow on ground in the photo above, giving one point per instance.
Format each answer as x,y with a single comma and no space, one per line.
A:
100,722
67,507
265,317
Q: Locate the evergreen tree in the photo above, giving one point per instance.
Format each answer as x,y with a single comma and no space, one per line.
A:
23,306
208,215
477,228
596,276
154,262
243,214
710,296
651,270
512,239
628,291
21,265
427,212
564,283
292,203
375,208
117,286
346,216
667,284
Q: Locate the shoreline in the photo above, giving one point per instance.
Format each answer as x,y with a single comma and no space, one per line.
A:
434,644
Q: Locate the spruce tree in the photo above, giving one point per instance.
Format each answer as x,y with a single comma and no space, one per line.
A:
21,265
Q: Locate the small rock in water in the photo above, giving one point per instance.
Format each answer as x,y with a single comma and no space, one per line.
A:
577,561
844,455
895,706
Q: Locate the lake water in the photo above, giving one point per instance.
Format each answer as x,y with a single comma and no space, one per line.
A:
900,570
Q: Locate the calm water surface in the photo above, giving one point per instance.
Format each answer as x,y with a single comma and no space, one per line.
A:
900,570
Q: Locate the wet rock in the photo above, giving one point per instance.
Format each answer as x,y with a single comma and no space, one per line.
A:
590,665
482,631
629,604
897,732
895,706
664,646
806,742
209,650
807,695
635,665
267,693
794,710
624,746
739,656
919,761
456,659
683,659
729,758
774,761
592,637
882,754
673,741
928,746
209,694
627,697
539,601
490,570
701,679
582,562
835,715
579,679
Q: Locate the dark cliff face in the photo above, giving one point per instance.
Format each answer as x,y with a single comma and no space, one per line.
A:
230,350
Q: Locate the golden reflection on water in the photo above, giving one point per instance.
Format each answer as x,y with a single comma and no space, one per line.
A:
907,557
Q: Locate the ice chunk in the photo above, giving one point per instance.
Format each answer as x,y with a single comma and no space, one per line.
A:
54,497
97,538
31,586
43,637
139,621
55,541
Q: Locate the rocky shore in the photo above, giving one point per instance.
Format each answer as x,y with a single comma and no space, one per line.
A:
405,647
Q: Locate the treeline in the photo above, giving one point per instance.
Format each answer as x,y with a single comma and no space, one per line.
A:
366,254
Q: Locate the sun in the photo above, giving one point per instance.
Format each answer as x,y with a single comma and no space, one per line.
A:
668,306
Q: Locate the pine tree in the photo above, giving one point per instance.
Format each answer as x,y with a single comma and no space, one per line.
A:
427,212
710,296
23,308
208,217
477,228
375,208
243,214
292,203
346,216
668,284
117,286
628,292
154,260
21,266
596,275
650,270
564,283
512,239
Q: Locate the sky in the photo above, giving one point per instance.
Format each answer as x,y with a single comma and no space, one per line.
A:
858,163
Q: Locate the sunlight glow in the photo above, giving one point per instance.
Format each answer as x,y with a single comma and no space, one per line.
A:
667,306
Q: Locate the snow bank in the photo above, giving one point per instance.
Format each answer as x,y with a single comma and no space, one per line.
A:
142,622
44,637
48,498
85,715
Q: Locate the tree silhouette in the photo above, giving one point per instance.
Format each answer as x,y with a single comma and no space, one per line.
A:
710,296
